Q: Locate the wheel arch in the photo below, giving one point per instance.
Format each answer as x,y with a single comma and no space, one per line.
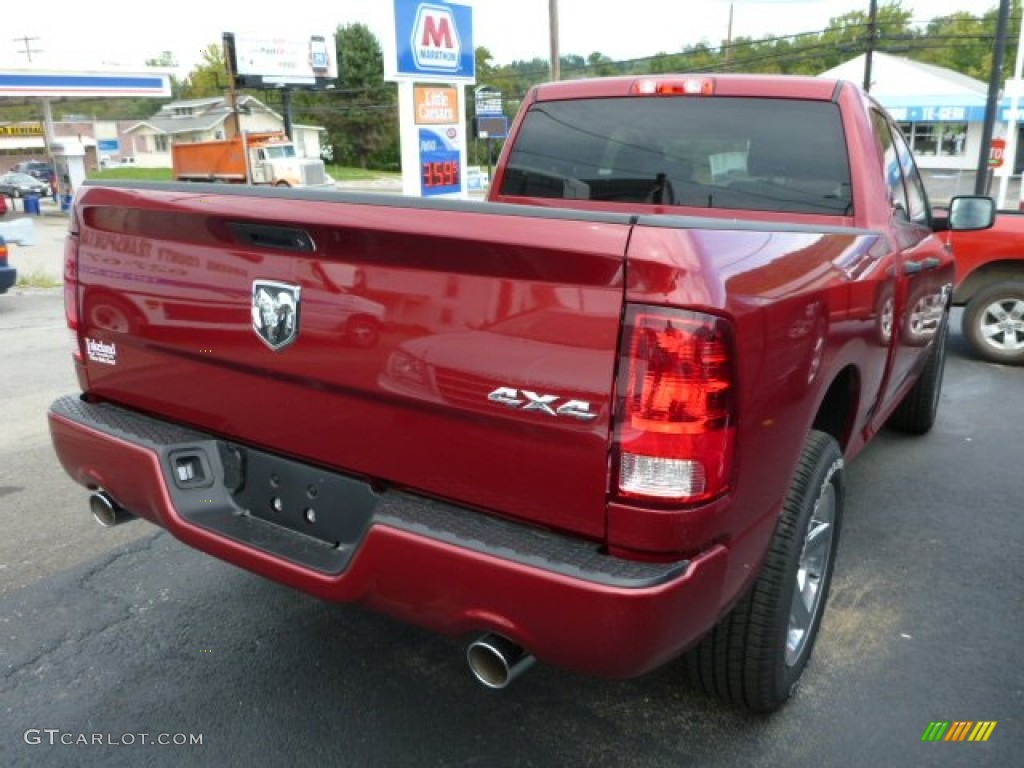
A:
986,275
836,412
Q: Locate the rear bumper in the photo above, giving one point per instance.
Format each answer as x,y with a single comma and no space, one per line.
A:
440,566
8,276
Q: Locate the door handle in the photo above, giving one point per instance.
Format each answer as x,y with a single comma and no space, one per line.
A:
270,236
913,267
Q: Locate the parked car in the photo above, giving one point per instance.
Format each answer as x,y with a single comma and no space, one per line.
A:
22,185
8,274
990,287
37,169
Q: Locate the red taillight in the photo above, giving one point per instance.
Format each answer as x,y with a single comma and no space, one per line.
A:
71,293
3,251
690,86
675,421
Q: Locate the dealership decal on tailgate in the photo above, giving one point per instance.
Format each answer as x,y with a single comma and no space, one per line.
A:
101,352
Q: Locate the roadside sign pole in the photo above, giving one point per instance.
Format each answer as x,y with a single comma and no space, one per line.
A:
431,57
409,145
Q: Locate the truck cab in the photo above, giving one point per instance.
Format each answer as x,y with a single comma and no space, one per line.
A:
276,162
254,157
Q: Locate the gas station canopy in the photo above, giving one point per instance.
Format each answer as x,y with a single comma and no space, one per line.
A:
54,84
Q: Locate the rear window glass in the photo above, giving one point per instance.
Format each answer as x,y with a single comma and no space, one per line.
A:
742,153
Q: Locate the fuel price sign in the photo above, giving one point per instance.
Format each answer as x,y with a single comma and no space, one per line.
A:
440,164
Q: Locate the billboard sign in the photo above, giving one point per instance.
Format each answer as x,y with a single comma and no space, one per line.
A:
433,42
309,61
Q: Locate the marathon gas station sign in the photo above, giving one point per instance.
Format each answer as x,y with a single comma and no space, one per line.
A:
434,41
432,57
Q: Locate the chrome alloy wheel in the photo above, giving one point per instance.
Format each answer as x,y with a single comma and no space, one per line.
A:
811,573
1002,324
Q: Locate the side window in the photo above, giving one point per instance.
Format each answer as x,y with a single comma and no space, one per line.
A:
917,197
891,165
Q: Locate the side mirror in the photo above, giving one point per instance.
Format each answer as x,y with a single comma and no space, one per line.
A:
971,212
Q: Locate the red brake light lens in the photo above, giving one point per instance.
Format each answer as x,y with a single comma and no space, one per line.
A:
71,293
690,86
675,421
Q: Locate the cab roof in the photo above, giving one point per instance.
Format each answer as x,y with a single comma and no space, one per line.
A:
766,86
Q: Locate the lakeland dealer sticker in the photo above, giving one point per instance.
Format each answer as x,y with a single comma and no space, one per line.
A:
101,351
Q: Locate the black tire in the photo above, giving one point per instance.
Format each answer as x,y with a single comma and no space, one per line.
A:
754,657
993,322
917,410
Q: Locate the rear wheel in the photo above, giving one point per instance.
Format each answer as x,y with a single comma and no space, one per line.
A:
754,657
993,322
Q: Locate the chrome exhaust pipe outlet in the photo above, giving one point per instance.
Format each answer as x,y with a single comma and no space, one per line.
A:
496,661
106,511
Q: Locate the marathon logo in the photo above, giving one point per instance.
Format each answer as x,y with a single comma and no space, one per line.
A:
435,39
101,352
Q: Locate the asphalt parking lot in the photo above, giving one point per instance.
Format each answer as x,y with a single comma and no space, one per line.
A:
114,641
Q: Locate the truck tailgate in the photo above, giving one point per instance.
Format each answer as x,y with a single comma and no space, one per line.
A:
463,351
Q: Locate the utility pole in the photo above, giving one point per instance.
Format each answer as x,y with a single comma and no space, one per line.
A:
991,105
228,40
25,40
556,64
728,39
1013,119
872,39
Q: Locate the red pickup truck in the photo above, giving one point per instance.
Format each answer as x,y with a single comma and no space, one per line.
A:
990,285
605,415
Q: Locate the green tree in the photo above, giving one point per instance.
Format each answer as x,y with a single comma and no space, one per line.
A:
599,65
209,78
362,119
167,60
965,42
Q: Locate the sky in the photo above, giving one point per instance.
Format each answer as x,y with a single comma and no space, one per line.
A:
95,34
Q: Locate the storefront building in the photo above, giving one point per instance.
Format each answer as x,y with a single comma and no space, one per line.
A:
941,112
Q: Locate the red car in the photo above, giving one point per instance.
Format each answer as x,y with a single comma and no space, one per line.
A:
990,287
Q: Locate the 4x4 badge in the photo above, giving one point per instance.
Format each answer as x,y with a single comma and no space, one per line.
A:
525,400
275,312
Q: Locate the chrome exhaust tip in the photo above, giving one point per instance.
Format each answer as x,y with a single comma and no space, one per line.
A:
106,511
496,661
